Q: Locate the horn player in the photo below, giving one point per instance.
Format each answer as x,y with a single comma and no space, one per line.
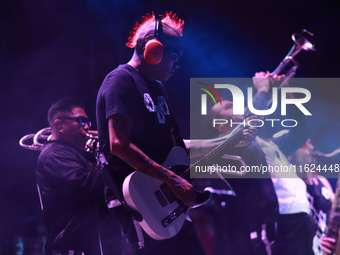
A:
71,192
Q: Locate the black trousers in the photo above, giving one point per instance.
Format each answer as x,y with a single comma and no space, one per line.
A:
186,242
295,234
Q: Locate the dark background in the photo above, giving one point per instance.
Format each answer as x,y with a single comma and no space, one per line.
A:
57,48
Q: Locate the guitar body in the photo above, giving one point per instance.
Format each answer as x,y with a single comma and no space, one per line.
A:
163,214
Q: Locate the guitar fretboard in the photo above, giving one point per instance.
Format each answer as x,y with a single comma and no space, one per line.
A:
223,148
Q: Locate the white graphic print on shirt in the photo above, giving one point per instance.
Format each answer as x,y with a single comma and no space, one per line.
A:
161,109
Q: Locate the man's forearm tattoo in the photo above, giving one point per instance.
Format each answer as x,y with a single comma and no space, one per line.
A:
143,163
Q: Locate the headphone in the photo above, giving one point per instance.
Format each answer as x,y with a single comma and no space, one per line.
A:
60,127
154,49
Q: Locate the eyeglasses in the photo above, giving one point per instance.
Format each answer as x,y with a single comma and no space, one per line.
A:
81,120
173,50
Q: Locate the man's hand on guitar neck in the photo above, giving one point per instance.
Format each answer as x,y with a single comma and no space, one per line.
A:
249,136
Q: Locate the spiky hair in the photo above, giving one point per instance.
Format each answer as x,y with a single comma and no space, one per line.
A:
169,19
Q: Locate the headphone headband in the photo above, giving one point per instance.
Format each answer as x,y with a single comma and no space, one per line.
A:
158,28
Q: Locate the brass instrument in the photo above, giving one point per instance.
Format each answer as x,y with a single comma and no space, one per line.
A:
300,43
92,144
44,135
39,139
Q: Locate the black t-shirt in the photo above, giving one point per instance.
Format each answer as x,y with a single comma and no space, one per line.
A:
70,190
125,91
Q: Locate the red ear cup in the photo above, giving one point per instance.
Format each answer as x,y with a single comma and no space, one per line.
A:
153,52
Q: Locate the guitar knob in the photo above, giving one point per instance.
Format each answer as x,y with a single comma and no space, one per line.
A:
172,216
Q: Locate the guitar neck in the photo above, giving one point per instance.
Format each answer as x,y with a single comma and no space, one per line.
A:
220,150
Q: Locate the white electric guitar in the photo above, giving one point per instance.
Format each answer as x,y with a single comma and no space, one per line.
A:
164,214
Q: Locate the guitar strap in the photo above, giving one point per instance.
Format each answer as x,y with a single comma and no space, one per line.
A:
176,135
103,169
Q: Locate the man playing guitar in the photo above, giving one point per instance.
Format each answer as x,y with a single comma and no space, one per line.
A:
137,131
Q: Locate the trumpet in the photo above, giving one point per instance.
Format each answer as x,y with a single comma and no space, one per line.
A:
40,138
300,43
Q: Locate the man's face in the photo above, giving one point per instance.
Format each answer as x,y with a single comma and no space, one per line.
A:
225,111
72,130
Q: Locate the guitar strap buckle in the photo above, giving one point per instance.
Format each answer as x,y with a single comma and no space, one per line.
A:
113,203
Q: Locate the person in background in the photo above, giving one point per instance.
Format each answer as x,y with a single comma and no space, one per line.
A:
320,195
70,189
294,231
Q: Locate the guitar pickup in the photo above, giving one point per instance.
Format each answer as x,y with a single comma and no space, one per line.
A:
161,199
167,193
173,216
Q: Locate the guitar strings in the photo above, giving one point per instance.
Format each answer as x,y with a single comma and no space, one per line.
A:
218,150
231,142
